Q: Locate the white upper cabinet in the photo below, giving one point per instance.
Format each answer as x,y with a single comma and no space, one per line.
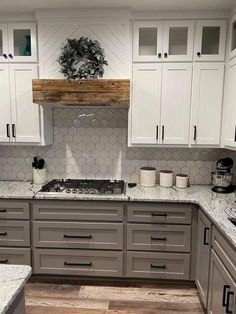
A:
207,93
146,99
175,103
178,40
18,42
232,37
5,104
147,41
210,40
229,117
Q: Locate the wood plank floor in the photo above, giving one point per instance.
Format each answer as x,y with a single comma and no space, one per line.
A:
64,298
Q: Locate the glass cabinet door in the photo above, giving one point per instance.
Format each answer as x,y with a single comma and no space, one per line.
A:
3,43
178,40
232,36
147,41
210,41
22,42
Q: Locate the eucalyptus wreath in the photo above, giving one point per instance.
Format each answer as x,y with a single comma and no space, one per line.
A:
82,59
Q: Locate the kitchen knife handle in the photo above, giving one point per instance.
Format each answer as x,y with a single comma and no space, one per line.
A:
8,130
205,235
13,130
77,264
163,132
194,132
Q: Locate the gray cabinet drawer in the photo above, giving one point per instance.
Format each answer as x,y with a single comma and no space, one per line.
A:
158,265
160,213
14,233
18,256
14,210
82,210
78,235
158,237
78,262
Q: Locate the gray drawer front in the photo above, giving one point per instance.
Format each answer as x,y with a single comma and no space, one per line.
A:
158,265
14,233
14,210
78,235
89,211
15,256
78,262
158,237
160,213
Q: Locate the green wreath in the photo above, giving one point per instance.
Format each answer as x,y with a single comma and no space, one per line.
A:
82,59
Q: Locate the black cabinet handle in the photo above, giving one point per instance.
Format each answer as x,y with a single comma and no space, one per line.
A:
5,56
165,55
3,233
163,132
77,236
3,261
225,288
10,55
158,266
199,54
159,55
227,310
77,264
157,132
158,239
13,130
8,129
159,214
235,134
205,236
3,210
194,132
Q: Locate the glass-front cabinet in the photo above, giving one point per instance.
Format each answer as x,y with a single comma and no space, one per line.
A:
18,42
232,37
210,40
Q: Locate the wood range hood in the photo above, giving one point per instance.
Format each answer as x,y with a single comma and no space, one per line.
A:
101,92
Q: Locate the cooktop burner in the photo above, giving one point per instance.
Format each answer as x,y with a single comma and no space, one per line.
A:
74,186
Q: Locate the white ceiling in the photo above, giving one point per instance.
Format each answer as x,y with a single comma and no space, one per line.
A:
25,6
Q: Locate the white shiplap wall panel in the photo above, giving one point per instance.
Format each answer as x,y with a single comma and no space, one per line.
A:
113,36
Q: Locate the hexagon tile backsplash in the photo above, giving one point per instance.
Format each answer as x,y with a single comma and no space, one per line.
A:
92,143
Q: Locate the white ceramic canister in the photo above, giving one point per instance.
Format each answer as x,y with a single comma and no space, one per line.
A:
39,176
182,181
147,176
166,178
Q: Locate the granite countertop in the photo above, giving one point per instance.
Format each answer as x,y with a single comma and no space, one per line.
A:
18,189
12,281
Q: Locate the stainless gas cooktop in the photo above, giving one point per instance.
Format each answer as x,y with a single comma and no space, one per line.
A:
74,186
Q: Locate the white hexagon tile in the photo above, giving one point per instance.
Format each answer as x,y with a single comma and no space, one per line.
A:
92,143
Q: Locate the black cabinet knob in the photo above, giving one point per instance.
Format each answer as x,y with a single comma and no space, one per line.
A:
165,54
5,56
10,56
199,54
159,55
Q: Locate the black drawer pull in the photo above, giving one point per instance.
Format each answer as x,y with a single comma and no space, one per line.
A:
8,130
77,264
205,235
3,210
13,130
158,239
3,261
227,310
158,215
224,294
77,236
3,233
158,266
235,134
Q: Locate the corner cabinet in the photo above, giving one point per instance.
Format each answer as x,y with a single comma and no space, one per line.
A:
161,103
232,37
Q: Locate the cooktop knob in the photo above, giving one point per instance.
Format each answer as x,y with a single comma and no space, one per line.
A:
74,191
68,191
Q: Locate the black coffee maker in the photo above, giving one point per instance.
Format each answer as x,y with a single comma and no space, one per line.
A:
222,177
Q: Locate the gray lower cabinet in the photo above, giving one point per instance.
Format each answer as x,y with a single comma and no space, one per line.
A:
19,256
222,288
14,210
78,262
203,256
14,233
158,265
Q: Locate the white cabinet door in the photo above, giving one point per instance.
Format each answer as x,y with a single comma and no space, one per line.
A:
25,114
3,43
210,40
178,40
175,103
232,37
22,42
207,93
229,118
146,97
147,41
5,105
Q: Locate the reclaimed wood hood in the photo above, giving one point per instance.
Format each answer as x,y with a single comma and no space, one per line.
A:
82,93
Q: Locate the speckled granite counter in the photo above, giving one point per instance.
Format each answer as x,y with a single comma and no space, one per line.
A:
18,189
12,281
